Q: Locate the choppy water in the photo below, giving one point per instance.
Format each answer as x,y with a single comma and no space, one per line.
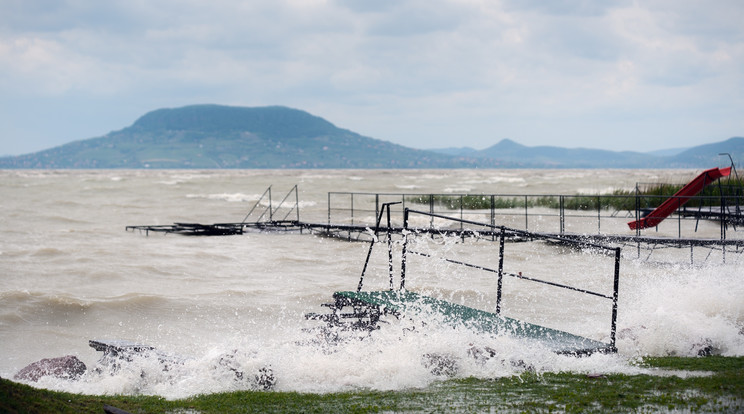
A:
71,273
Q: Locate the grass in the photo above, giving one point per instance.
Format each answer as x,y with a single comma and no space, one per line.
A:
721,391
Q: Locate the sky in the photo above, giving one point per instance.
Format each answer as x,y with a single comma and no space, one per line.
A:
616,74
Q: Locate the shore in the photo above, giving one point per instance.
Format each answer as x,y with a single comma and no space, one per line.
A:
707,384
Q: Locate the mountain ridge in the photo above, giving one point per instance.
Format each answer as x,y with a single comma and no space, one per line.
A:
217,136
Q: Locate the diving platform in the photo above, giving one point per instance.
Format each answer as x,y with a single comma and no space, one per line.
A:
413,305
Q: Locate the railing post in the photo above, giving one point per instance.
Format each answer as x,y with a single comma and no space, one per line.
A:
329,209
461,217
493,216
599,214
297,204
723,252
431,211
369,252
390,247
561,213
377,205
692,252
526,214
501,271
403,252
615,297
638,216
271,211
723,216
679,219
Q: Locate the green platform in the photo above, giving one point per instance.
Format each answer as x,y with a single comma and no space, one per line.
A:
412,304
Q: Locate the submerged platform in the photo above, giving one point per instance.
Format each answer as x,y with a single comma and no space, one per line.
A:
413,304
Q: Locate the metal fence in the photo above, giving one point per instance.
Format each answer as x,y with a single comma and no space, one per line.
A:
711,217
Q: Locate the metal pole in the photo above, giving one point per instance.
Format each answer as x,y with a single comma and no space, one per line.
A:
700,203
723,212
501,272
493,216
377,205
461,217
679,220
723,252
638,216
403,253
297,203
390,248
614,297
431,211
271,212
692,261
369,252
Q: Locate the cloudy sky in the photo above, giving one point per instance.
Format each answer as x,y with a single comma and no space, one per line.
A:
621,75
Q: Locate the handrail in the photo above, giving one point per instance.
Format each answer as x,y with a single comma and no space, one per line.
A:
500,270
372,245
296,205
268,190
272,211
567,210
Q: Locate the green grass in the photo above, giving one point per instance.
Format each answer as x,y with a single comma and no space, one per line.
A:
720,391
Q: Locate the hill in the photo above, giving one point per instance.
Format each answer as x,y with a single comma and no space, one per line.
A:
216,136
710,154
511,152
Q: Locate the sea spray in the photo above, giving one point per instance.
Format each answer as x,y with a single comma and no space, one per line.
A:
71,273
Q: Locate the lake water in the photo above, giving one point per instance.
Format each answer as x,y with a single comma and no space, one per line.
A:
70,272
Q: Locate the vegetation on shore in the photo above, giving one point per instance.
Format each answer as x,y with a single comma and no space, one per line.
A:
650,196
713,384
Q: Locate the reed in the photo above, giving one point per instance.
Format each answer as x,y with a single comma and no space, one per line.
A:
650,195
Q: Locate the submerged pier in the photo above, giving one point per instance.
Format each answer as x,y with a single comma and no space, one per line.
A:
351,216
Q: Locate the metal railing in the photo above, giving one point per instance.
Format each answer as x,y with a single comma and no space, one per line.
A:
551,213
272,211
503,232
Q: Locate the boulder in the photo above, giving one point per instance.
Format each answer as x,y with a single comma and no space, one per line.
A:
66,367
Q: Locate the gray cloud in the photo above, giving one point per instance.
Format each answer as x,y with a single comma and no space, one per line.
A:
434,73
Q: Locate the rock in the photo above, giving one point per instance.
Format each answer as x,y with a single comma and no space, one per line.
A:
66,367
264,378
481,355
107,409
705,348
440,364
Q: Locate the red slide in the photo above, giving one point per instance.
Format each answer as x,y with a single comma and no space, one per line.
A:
680,198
